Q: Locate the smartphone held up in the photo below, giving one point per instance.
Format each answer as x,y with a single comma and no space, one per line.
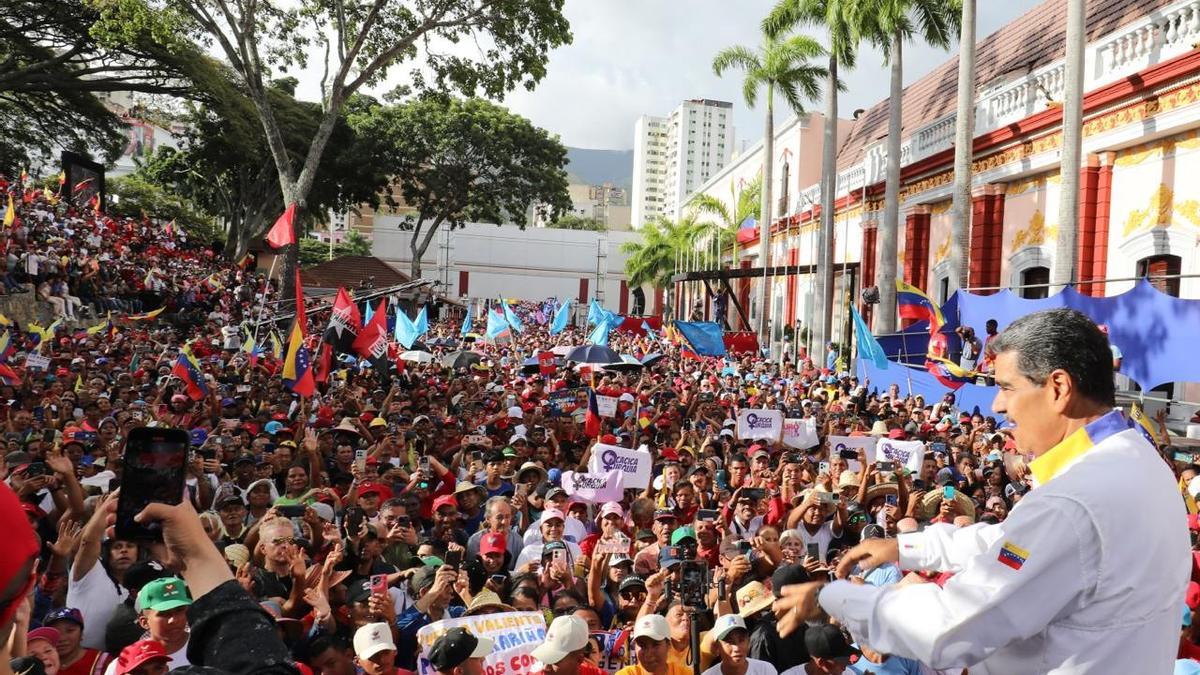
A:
155,467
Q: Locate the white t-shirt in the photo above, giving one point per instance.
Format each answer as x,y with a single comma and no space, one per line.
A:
821,539
96,597
178,659
753,667
533,552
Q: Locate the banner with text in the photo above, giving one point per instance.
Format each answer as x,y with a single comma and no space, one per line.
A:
765,424
909,454
635,464
606,405
596,488
561,402
800,433
515,634
852,444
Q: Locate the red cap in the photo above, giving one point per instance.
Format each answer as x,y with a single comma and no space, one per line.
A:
493,542
140,653
608,439
376,488
669,455
444,500
897,434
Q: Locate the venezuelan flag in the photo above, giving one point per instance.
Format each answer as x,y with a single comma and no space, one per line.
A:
187,368
6,347
949,373
9,376
912,303
145,316
297,365
1139,421
276,346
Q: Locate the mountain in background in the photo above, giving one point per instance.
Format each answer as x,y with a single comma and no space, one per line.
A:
596,167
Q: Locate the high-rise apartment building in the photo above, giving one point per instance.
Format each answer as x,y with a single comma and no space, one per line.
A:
672,156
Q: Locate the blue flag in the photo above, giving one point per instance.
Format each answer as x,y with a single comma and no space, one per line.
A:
649,331
705,337
466,327
422,321
406,332
596,314
496,325
868,347
368,314
561,317
511,317
600,333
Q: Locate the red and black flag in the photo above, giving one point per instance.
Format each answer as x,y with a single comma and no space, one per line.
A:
345,323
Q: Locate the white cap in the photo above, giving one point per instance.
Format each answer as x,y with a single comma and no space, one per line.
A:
726,625
626,397
516,412
565,635
550,514
517,437
371,639
653,626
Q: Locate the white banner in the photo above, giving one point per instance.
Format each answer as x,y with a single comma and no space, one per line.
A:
594,488
765,424
37,361
852,443
635,464
800,433
910,454
606,405
515,634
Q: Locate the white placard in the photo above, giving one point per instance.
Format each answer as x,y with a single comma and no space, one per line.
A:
800,433
855,443
515,635
37,361
635,464
606,405
756,424
910,454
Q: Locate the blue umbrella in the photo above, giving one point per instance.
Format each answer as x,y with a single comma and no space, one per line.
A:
650,360
593,354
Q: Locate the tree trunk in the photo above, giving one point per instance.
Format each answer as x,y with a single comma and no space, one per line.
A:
964,138
823,284
889,229
764,225
1068,205
419,243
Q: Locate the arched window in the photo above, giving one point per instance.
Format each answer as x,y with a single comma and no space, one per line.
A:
1034,283
1163,272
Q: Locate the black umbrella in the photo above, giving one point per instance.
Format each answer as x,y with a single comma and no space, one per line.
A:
650,360
461,359
625,365
593,354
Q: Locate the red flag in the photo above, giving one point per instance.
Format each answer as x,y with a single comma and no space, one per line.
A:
371,343
345,323
324,360
546,363
283,232
591,421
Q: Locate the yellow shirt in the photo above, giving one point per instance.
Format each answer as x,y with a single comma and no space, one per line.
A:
673,668
683,656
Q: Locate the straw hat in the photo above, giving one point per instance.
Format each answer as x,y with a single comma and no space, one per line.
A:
753,598
486,601
878,429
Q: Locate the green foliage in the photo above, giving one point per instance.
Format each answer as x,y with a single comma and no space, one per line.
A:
782,64
653,259
457,161
574,222
746,205
134,197
834,17
934,22
313,252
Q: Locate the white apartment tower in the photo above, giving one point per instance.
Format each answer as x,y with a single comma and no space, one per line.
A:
672,156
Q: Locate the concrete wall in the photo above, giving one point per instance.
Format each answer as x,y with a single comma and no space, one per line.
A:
507,261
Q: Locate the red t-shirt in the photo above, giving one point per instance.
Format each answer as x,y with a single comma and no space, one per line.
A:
93,662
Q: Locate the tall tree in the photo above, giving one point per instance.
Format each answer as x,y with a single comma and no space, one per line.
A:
745,204
833,16
653,259
782,64
964,146
457,161
488,46
1072,147
890,24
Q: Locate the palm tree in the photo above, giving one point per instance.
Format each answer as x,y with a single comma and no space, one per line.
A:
653,260
782,64
728,221
834,17
889,24
1068,205
964,139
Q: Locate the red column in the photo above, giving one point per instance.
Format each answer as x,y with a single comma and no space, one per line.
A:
924,222
1089,179
910,247
1104,182
583,290
995,235
464,278
658,302
978,253
870,231
624,297
793,259
744,293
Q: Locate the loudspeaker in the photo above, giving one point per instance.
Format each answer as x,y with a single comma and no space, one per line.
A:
870,295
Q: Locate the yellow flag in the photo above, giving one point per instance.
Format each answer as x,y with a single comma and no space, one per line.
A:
78,383
10,216
1188,499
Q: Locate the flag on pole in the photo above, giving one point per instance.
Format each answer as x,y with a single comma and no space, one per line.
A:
497,327
868,347
297,367
145,316
421,323
591,421
1139,421
345,323
188,369
511,317
912,303
561,317
406,330
276,346
283,232
10,215
466,324
371,343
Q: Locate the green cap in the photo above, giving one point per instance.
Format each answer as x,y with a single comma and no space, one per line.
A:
164,594
685,532
432,561
509,452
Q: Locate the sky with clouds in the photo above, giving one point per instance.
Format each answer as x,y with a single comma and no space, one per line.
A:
636,57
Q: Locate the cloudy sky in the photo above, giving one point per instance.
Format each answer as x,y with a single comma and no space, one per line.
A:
636,57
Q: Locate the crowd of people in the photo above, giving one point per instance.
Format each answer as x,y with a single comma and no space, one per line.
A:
321,534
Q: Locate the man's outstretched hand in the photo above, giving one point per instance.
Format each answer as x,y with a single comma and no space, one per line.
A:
868,555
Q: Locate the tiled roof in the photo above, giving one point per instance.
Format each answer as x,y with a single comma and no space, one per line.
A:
348,270
1033,40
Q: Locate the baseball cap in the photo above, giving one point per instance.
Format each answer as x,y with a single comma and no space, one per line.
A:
666,557
444,500
139,654
631,581
664,514
64,614
44,633
566,634
551,514
726,624
872,531
371,639
455,646
609,509
685,532
163,594
826,641
492,542
141,573
653,626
